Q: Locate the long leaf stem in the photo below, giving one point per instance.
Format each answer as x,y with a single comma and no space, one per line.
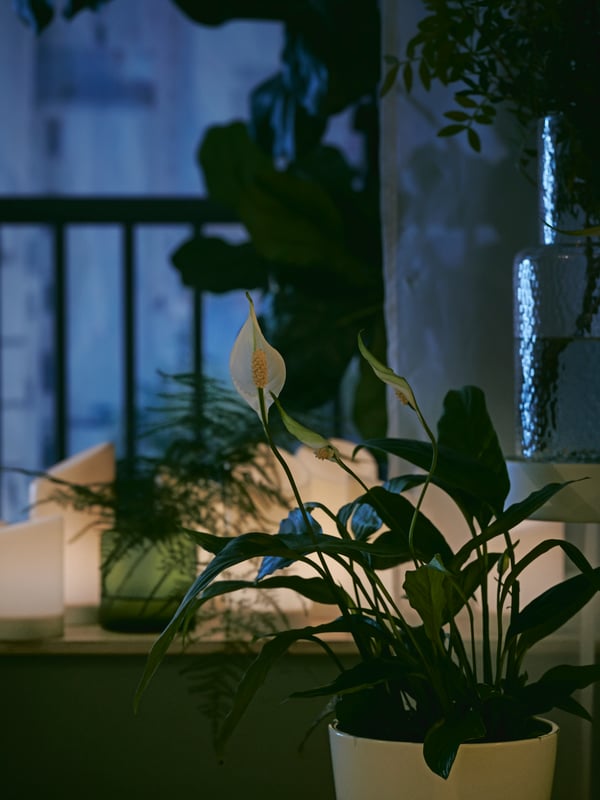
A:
364,650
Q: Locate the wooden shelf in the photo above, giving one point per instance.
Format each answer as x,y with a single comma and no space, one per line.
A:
94,640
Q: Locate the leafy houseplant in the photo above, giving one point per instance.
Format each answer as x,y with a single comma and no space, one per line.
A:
540,62
425,681
175,479
532,59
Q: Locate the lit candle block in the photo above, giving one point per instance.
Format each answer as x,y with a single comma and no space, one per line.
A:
31,579
82,528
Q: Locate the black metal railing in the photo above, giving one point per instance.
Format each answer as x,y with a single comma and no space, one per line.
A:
58,215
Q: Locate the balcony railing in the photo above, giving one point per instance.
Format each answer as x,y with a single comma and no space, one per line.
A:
58,215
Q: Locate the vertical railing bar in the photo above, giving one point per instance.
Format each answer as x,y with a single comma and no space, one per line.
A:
197,325
129,342
197,334
198,342
2,479
60,342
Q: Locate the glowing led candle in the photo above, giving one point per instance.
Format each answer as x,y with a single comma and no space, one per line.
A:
82,528
31,579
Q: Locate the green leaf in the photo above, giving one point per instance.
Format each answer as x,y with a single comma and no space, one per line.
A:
551,610
465,584
466,427
257,672
451,130
407,76
424,75
555,687
397,513
472,485
445,737
315,589
231,161
295,221
213,265
570,550
513,515
457,116
425,589
365,675
465,100
389,79
474,140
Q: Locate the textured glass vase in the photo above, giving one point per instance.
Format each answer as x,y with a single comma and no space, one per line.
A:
142,586
556,311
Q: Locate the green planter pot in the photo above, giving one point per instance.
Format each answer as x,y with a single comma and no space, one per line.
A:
142,587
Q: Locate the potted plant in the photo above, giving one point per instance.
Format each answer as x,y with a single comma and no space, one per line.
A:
448,674
200,454
540,62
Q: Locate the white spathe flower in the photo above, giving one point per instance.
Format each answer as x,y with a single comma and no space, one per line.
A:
255,365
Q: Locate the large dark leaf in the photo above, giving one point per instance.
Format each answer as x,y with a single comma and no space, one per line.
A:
466,427
294,523
365,675
445,737
513,515
464,479
397,513
294,221
317,332
230,161
316,589
466,583
569,549
552,609
213,265
425,589
256,674
555,687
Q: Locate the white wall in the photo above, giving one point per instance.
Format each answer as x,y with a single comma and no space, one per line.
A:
453,221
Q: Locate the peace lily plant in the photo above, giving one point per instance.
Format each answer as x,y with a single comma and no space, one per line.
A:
429,679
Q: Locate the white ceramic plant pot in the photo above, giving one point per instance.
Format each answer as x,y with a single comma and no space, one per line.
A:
369,768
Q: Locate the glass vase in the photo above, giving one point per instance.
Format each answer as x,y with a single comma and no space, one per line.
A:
143,583
556,312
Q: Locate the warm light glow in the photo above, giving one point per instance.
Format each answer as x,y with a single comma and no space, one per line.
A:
31,579
82,530
333,487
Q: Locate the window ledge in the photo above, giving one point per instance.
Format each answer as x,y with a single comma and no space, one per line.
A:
94,640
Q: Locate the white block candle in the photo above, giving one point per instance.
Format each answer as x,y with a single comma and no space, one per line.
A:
82,528
31,579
